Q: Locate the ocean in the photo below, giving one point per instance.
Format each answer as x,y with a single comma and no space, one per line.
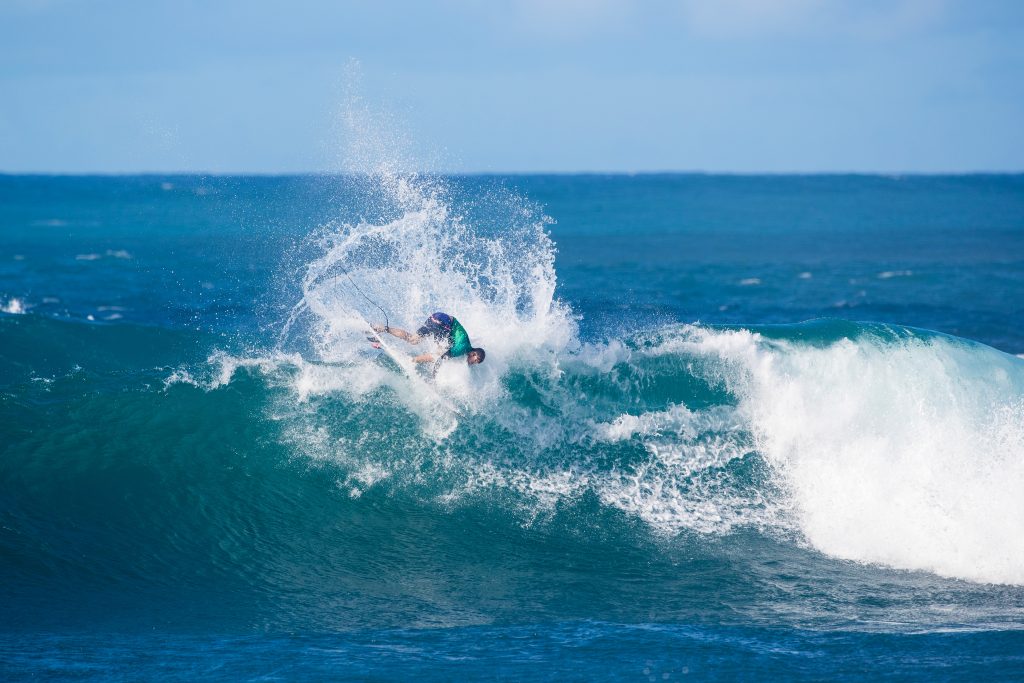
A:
728,427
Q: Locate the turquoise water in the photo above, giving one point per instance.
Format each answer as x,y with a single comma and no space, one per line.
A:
728,426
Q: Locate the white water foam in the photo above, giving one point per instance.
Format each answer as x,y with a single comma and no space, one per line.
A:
889,274
905,453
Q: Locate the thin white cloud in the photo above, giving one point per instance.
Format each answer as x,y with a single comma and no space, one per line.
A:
742,18
570,19
725,19
711,19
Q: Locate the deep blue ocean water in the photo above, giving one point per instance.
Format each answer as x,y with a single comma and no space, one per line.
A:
728,427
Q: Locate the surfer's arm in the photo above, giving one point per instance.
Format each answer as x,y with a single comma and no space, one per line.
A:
398,332
430,358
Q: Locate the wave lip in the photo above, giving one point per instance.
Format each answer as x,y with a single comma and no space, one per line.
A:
895,447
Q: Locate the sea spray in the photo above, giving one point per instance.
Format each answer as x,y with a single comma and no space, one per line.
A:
407,245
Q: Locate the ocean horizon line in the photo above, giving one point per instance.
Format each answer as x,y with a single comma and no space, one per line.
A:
501,174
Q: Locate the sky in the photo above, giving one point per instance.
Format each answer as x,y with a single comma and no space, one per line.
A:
744,86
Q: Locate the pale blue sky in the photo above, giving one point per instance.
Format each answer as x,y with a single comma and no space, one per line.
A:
519,85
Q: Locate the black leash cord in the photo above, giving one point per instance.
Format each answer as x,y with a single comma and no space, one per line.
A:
387,324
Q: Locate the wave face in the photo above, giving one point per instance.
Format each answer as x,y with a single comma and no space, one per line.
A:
822,475
870,443
235,478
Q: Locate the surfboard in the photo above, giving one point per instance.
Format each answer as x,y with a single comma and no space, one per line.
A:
408,368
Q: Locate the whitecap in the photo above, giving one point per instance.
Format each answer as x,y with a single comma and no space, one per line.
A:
13,306
888,274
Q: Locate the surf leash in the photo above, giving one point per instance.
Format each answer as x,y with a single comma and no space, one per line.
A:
387,324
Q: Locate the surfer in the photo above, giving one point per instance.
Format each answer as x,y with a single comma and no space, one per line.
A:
447,332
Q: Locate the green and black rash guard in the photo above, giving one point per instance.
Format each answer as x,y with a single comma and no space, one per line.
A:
459,340
448,332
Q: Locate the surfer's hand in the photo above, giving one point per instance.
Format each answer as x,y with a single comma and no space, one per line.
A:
378,328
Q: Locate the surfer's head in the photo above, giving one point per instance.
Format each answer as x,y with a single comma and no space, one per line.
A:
475,355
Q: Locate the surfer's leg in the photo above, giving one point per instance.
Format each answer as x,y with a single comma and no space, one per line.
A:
433,329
